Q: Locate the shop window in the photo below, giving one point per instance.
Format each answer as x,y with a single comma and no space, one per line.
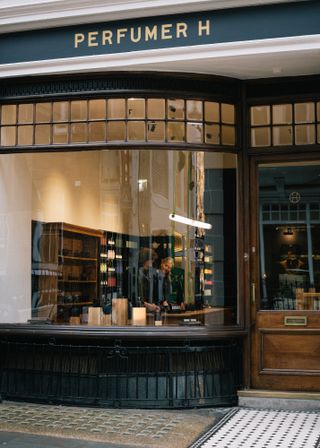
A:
116,109
79,110
136,130
212,112
59,134
136,108
282,135
86,122
156,108
228,135
25,135
9,114
227,114
176,132
290,124
305,134
42,134
156,131
104,238
194,110
116,131
175,110
194,133
79,132
8,136
43,112
260,115
25,114
212,134
289,236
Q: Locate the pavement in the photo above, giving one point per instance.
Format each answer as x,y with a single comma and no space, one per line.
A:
27,425
24,425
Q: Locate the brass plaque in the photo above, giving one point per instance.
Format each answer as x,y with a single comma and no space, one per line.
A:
296,320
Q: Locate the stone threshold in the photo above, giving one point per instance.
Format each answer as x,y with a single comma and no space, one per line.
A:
270,399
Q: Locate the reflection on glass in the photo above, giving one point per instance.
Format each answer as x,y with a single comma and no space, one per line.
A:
60,111
60,134
282,114
156,130
228,136
25,113
136,108
79,111
136,130
8,136
212,134
116,109
8,114
43,112
176,132
260,137
305,134
102,243
156,108
227,113
116,131
42,134
78,132
175,109
194,133
194,110
282,135
211,111
289,236
25,135
97,132
97,109
260,115
304,112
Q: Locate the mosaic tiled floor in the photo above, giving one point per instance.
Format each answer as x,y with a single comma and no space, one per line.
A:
251,428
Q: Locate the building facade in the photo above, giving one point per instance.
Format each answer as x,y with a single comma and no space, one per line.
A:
160,214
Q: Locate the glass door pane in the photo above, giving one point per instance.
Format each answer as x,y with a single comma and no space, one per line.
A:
289,234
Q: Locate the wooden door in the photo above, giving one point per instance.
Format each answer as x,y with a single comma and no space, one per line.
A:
285,275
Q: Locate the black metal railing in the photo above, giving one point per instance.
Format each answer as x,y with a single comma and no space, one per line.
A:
122,376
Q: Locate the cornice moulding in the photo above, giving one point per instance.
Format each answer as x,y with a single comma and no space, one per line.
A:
27,15
148,59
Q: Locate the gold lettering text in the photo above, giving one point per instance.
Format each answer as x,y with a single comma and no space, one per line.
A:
78,39
181,29
133,37
107,37
203,28
151,33
92,39
165,31
121,32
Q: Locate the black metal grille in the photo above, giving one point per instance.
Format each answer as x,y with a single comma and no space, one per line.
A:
154,377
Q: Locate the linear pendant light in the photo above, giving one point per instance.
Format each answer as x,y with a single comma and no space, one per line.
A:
189,222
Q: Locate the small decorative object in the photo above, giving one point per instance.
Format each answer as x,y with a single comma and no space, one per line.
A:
139,316
119,311
94,315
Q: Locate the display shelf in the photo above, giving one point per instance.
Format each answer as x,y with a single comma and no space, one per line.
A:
70,251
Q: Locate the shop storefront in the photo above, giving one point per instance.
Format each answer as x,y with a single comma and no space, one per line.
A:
159,231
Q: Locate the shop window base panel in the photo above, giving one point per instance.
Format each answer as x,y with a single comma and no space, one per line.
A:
178,377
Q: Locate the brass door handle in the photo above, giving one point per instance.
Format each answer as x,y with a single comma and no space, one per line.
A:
253,293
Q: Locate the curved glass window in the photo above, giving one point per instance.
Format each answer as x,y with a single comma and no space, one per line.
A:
127,237
118,237
118,120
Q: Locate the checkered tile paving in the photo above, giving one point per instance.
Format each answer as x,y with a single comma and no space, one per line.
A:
246,428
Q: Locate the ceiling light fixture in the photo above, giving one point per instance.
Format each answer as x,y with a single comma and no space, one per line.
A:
189,222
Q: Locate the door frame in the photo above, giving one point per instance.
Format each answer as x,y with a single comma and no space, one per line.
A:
253,281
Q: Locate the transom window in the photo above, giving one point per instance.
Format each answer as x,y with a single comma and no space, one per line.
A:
154,120
285,124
